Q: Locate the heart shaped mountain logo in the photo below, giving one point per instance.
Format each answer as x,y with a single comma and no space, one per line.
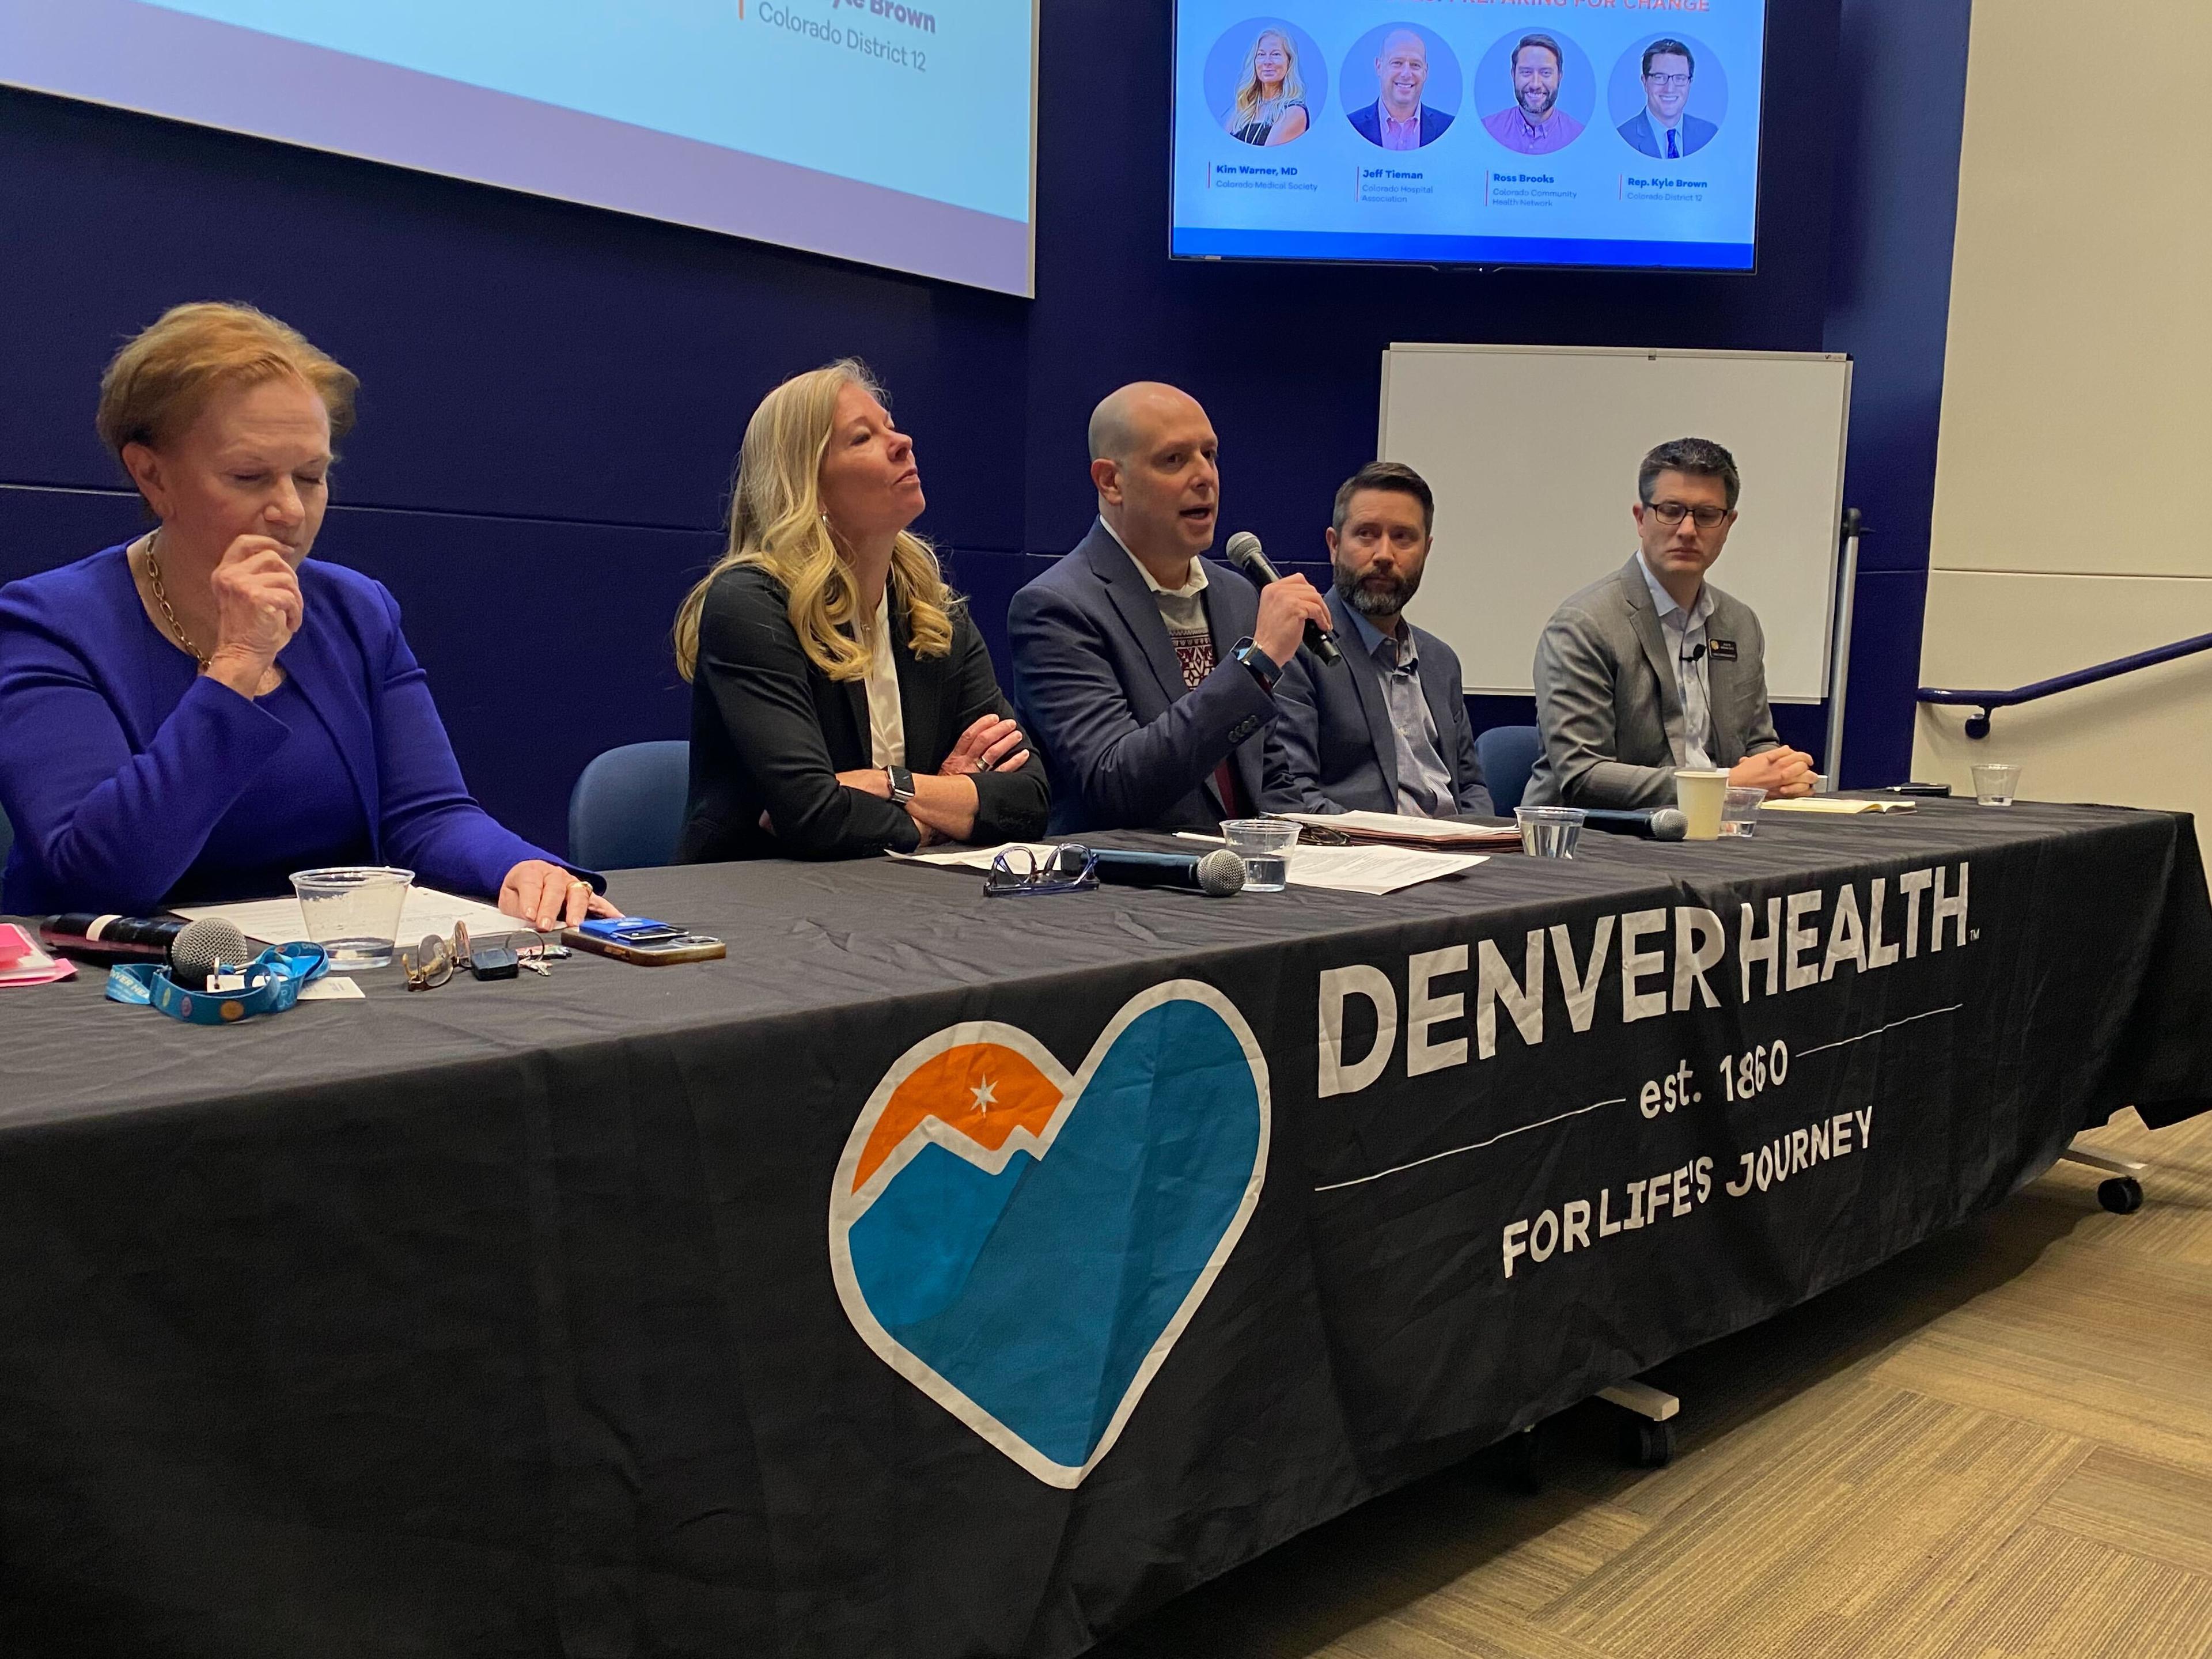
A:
1026,1247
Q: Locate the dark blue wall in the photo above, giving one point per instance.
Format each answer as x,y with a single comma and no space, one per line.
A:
553,394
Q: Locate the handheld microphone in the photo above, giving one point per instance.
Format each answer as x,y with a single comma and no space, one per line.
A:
1652,823
1244,551
190,950
1218,874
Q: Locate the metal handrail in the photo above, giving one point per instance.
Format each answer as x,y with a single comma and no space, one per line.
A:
1977,726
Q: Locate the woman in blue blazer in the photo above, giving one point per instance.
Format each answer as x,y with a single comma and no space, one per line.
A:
194,715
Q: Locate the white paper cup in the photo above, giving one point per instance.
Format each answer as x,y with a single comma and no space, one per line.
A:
1703,796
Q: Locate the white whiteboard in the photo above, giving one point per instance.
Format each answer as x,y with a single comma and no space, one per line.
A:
1533,450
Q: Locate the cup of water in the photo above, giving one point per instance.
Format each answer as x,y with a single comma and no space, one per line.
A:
353,913
1266,845
1549,832
1994,785
1739,811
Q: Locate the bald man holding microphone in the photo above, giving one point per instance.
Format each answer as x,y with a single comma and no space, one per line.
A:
1146,672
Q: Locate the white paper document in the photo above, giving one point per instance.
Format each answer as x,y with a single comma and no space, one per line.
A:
278,921
1402,827
1374,870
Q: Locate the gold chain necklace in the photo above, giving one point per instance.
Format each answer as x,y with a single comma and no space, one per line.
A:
161,599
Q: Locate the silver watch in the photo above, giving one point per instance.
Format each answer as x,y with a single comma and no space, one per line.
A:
902,781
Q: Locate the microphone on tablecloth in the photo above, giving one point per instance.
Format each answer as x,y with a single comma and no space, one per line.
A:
1654,823
1218,874
190,950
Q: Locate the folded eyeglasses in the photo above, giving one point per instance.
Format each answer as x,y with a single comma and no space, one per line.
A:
1017,871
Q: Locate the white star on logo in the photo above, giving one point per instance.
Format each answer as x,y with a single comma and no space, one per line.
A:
986,1096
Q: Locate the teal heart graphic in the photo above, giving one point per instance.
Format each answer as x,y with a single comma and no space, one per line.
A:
1026,1247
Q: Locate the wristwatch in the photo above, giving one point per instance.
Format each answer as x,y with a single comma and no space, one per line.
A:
902,781
1264,667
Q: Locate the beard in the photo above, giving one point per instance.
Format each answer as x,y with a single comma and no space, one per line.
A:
1377,596
1536,102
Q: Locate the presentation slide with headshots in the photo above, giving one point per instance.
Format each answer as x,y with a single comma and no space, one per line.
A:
896,131
1540,132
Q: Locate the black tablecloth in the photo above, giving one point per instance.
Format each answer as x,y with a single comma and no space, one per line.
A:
941,1276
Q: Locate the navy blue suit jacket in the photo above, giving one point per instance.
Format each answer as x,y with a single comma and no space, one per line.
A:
1131,747
1638,131
1339,754
118,760
1367,123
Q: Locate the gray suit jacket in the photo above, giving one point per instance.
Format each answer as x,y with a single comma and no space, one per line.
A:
1606,702
1340,754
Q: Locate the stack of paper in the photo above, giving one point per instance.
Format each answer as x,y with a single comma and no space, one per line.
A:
22,962
1840,805
1398,830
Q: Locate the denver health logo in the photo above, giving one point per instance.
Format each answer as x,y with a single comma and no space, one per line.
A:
1026,1247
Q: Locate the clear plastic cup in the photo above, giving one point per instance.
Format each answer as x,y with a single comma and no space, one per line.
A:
1266,845
354,913
1703,796
1994,785
1739,812
1549,832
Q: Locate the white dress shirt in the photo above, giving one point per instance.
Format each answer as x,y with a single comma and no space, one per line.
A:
1685,632
886,719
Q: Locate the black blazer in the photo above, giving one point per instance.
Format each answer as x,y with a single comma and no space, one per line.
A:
770,732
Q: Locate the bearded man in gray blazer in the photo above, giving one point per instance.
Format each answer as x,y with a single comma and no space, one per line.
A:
1386,730
1654,668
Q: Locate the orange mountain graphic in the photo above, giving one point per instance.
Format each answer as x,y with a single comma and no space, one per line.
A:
983,1090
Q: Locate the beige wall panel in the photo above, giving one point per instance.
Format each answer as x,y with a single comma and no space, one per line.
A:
2142,740
2077,405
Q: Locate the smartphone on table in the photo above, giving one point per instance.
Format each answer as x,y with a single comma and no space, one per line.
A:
641,940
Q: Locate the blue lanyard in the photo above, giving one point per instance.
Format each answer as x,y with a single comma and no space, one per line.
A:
274,980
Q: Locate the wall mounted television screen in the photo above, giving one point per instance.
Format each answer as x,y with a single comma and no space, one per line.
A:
896,132
1470,133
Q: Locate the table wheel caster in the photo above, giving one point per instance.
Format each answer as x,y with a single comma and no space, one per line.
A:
1524,1460
2122,1196
1646,1444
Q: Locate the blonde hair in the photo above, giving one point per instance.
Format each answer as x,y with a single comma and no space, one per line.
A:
1247,92
159,383
777,525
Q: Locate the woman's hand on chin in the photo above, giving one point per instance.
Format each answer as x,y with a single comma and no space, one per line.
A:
548,897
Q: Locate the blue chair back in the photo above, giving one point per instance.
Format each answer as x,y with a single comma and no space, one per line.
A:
1508,754
7,839
626,810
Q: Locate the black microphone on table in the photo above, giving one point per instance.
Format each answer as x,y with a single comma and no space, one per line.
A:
190,950
1652,823
1218,874
1244,551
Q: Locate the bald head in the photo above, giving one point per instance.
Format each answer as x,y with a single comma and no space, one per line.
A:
1153,459
1403,71
1127,420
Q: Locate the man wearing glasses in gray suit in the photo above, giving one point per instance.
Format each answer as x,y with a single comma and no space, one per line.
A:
1654,668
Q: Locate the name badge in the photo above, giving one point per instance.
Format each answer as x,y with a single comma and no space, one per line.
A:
1721,650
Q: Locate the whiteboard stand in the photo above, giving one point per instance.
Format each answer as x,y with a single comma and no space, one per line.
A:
1839,657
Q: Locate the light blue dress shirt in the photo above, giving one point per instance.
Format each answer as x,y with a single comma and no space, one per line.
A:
1686,640
1424,782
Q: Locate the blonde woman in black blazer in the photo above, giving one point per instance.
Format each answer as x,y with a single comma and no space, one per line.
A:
842,701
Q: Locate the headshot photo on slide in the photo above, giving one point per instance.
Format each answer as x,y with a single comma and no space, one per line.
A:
1266,83
1668,96
1402,86
1536,91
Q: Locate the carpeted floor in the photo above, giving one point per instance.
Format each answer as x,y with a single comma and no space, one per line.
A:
1999,1445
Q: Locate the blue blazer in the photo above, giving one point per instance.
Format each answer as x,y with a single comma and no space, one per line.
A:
1696,134
117,759
1340,753
1368,124
1100,689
